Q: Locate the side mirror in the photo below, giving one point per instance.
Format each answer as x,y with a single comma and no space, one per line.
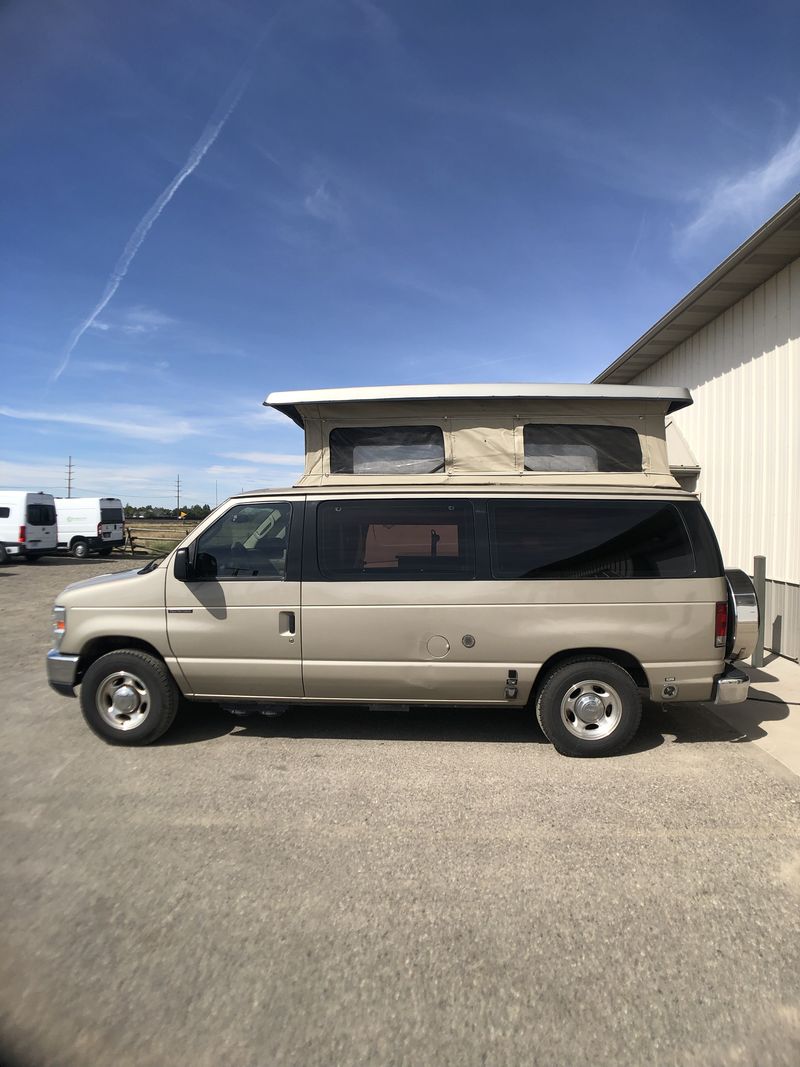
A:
183,565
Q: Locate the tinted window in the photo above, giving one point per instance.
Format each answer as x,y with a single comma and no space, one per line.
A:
4,513
590,539
387,450
249,541
40,515
111,515
389,540
568,447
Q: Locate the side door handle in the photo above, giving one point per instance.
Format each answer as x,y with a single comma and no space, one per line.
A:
286,624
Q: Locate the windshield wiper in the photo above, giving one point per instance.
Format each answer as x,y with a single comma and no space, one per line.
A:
151,566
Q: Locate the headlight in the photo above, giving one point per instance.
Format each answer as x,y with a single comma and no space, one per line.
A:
59,625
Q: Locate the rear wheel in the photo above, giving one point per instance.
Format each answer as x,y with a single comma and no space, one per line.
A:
106,550
129,697
588,707
79,549
3,555
32,559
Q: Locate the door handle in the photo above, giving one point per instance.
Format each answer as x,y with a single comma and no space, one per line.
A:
286,624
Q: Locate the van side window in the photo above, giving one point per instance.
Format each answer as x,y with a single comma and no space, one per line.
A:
111,515
387,450
40,515
575,447
5,513
395,540
553,539
249,541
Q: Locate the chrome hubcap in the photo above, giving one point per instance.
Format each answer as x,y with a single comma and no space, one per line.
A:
123,700
591,709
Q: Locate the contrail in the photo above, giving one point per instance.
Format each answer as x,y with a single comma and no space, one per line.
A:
220,116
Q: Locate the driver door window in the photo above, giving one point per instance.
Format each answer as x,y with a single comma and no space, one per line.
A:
249,541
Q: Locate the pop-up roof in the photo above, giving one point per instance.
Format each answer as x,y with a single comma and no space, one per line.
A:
484,434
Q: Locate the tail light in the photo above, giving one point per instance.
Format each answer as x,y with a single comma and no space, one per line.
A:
99,529
21,538
721,624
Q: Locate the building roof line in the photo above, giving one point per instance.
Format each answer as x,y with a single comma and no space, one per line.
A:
763,254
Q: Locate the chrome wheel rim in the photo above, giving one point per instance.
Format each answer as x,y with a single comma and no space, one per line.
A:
123,700
591,709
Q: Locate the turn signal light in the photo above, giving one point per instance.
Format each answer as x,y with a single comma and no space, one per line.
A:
721,624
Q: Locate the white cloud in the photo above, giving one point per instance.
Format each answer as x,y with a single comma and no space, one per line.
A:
749,197
269,458
324,206
121,420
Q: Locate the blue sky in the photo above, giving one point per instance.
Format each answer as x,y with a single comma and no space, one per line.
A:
206,200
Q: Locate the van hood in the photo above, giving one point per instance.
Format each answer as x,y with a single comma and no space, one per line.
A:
120,589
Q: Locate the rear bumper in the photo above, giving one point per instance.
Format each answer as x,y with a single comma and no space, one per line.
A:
732,686
61,672
13,549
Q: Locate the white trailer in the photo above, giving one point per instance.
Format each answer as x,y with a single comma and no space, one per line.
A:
27,525
90,524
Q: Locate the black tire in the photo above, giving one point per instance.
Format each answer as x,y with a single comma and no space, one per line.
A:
105,680
105,551
32,559
608,716
3,555
79,549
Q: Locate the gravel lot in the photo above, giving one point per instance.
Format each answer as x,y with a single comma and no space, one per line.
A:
341,886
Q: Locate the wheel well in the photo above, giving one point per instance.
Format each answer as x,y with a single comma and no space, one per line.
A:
93,650
616,655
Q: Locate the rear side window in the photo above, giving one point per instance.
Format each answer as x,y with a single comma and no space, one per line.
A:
111,515
575,447
5,513
549,539
395,540
387,450
40,515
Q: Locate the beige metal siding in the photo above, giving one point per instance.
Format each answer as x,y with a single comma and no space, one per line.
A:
743,369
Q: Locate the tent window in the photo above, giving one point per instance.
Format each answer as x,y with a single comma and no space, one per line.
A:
387,450
576,447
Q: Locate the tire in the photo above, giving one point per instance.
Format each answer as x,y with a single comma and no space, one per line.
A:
3,555
603,722
32,559
105,551
79,549
129,697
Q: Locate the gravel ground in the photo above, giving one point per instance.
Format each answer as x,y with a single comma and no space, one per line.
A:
340,886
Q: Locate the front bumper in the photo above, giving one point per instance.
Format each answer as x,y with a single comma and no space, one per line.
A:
732,686
61,672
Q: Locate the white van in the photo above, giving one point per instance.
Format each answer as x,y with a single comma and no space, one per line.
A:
27,525
90,524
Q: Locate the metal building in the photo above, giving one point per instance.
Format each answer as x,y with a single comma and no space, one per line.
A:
734,340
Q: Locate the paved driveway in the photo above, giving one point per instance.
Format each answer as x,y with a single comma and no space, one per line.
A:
345,887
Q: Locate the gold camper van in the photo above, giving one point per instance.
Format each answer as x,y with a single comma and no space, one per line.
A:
464,544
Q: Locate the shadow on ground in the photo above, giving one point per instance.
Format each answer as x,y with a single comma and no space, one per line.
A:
198,722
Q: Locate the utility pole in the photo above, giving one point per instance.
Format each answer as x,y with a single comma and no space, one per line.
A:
178,494
70,469
216,495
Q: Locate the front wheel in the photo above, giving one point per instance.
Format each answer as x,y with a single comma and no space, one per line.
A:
79,549
588,707
129,697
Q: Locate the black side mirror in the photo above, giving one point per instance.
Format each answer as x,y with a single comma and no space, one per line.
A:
183,565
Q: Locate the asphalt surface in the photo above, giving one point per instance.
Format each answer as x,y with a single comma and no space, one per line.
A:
340,886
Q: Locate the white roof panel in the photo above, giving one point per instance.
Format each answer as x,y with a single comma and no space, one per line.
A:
288,402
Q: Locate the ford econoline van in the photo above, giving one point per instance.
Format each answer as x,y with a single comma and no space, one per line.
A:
27,524
460,545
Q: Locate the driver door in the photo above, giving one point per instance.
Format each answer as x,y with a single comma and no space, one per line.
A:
234,626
